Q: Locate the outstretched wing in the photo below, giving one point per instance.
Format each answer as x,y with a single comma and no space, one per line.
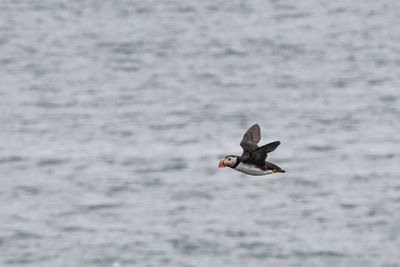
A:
251,138
259,155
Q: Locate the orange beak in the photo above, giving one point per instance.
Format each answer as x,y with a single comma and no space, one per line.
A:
221,164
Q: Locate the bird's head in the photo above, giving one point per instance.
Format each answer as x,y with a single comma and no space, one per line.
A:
228,161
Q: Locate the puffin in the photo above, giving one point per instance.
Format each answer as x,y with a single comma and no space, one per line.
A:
252,161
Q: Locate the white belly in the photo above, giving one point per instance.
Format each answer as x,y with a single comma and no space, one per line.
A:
251,169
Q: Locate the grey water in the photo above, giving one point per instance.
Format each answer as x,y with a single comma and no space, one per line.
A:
115,114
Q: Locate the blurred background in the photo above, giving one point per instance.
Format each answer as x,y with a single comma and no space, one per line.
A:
114,115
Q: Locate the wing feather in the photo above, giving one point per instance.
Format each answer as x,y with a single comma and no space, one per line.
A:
259,155
251,138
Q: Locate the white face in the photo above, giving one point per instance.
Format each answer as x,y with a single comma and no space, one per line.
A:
230,161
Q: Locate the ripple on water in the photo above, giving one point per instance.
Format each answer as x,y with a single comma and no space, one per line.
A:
191,246
27,190
100,206
77,229
259,250
25,235
191,194
319,253
11,159
51,162
348,206
321,148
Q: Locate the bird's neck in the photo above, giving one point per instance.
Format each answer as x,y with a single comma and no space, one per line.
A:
238,160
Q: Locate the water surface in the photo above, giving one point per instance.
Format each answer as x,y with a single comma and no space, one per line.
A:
115,114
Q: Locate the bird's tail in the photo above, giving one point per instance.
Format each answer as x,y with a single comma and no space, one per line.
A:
274,167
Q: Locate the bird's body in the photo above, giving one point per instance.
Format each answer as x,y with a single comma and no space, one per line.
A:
252,169
252,161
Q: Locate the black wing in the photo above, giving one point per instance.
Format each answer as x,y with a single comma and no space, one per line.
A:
251,138
259,155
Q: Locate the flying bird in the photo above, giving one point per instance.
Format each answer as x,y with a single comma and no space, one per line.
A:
252,161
